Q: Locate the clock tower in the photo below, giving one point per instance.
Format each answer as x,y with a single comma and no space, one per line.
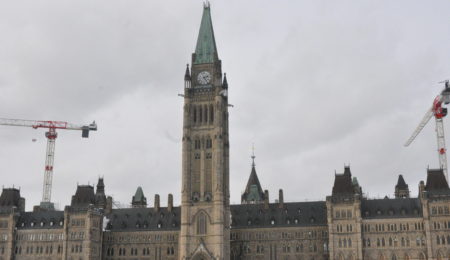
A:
205,206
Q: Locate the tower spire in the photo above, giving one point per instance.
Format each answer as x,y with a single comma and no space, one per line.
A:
253,191
253,155
205,50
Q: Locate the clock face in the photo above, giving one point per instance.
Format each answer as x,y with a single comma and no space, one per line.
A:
203,77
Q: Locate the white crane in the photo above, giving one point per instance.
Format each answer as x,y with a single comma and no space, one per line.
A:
439,113
51,135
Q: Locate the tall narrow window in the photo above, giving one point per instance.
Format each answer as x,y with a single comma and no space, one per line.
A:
200,115
201,224
211,114
205,108
195,114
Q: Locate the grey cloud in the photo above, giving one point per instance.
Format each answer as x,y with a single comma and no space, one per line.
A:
315,85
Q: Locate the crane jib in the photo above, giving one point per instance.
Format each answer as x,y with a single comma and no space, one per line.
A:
51,136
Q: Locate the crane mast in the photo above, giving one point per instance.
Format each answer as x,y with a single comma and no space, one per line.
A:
439,113
51,136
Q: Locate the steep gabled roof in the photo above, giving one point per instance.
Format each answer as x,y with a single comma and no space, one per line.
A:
84,196
206,51
253,190
139,198
343,183
401,184
436,180
10,197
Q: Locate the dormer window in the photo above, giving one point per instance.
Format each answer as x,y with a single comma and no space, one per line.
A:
51,223
32,224
42,223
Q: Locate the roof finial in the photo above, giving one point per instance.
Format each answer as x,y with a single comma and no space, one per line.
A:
253,155
206,4
187,74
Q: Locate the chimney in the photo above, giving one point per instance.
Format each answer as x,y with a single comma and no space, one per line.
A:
156,202
266,199
109,203
170,202
280,199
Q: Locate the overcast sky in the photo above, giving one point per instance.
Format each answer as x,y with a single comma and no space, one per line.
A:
315,85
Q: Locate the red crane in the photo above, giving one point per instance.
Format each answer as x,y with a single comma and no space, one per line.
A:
50,154
439,112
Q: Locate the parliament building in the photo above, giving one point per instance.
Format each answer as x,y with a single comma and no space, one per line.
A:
346,225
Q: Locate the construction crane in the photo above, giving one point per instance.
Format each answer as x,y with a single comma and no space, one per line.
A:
439,113
51,135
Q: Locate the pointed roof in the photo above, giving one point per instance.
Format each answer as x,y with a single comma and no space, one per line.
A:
436,180
253,190
139,197
187,74
206,51
10,197
225,82
343,182
84,196
401,184
253,180
100,186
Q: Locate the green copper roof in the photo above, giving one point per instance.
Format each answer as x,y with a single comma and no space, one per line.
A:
206,51
139,196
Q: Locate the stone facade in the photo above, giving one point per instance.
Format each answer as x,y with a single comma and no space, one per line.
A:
345,226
